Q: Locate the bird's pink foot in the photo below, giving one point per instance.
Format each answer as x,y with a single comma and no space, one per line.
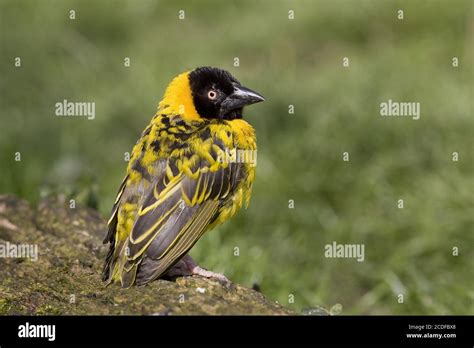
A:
187,267
209,274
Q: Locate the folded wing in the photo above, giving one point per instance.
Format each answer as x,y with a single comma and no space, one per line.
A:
177,209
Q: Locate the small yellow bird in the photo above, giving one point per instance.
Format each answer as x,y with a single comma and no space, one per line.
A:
183,178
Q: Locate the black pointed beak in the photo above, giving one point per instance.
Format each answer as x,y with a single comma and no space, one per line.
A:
241,97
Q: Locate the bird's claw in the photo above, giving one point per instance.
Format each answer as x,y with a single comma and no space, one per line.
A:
188,267
209,274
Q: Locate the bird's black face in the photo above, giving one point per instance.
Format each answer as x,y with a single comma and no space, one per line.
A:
217,94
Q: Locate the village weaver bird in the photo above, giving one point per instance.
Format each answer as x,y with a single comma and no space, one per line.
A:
178,184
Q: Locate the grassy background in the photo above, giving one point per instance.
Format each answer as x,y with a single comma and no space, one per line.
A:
407,251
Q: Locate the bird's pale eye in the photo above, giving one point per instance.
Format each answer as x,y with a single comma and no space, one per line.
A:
212,94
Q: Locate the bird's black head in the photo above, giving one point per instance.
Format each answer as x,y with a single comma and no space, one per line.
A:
217,94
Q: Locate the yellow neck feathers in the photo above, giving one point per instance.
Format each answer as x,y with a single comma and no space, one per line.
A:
178,99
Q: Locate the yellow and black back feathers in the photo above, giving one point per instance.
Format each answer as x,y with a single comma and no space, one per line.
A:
177,185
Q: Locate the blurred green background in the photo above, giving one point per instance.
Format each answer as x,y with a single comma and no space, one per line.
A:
299,62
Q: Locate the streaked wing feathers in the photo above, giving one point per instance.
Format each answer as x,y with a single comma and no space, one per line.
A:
175,213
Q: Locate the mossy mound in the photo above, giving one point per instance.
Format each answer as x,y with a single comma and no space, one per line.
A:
65,277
